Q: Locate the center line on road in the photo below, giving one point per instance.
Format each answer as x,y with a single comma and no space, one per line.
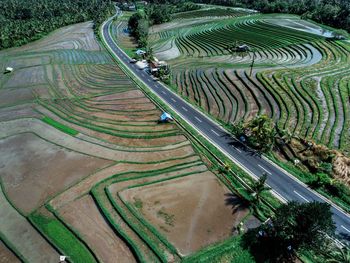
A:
173,99
198,119
163,92
301,196
345,228
215,132
238,150
184,108
264,169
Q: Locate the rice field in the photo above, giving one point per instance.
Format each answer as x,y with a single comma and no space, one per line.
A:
299,78
76,135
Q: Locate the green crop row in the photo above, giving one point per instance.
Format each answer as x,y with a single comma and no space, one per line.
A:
62,238
59,126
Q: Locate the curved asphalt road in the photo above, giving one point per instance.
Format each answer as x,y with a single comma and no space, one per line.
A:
283,184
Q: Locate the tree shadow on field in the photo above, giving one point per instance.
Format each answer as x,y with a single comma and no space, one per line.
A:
238,204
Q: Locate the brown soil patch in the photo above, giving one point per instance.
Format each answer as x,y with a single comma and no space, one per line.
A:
84,216
15,96
85,185
34,169
130,94
6,255
19,111
53,135
190,211
26,77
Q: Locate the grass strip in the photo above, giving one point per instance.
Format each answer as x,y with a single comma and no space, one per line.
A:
59,126
62,237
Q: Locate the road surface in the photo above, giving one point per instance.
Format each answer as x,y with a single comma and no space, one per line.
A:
284,185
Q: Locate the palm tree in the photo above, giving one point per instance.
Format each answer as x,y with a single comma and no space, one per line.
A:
338,254
259,187
262,132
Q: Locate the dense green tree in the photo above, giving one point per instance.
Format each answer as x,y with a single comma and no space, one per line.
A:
260,132
22,21
295,226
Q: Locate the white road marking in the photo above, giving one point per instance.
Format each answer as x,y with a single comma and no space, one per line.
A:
215,132
264,169
163,92
173,99
238,150
345,228
198,119
184,108
301,196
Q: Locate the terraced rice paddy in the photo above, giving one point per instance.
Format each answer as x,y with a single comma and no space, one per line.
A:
77,138
299,78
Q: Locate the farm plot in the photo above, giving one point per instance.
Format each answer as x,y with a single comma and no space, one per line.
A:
211,12
6,255
82,214
20,234
299,78
178,209
71,124
34,169
127,219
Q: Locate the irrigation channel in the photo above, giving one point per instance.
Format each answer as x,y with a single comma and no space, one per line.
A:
285,186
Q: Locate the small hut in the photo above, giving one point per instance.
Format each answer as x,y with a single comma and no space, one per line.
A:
165,117
242,48
8,70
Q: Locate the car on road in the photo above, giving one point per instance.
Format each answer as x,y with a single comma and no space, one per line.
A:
133,61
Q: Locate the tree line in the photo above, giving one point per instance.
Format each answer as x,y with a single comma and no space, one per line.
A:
156,12
335,13
22,21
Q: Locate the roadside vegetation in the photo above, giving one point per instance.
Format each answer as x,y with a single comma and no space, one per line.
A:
153,14
22,21
294,228
291,104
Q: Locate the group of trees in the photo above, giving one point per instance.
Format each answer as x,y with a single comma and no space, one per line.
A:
259,132
294,227
22,21
138,26
161,11
156,12
334,13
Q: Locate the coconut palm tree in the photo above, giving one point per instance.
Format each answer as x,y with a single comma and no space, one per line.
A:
338,254
259,187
